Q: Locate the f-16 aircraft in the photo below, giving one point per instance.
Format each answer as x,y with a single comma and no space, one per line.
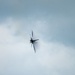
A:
33,41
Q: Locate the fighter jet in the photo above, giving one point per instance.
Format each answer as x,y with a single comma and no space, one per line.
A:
33,42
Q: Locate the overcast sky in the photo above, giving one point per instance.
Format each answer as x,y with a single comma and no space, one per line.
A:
53,23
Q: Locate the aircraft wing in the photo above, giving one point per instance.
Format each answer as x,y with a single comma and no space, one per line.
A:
32,33
34,47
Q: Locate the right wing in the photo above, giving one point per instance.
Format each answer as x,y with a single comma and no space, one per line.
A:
32,33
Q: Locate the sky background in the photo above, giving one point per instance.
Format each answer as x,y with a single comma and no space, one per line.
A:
53,23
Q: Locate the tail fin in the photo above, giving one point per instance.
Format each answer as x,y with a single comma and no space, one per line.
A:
36,40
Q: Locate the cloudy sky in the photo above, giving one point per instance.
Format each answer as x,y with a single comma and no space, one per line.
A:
53,22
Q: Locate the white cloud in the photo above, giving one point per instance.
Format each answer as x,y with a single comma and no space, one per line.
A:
17,55
57,55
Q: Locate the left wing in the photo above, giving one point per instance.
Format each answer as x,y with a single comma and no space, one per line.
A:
34,48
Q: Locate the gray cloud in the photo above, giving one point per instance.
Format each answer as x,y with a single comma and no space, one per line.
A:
41,7
54,29
52,22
